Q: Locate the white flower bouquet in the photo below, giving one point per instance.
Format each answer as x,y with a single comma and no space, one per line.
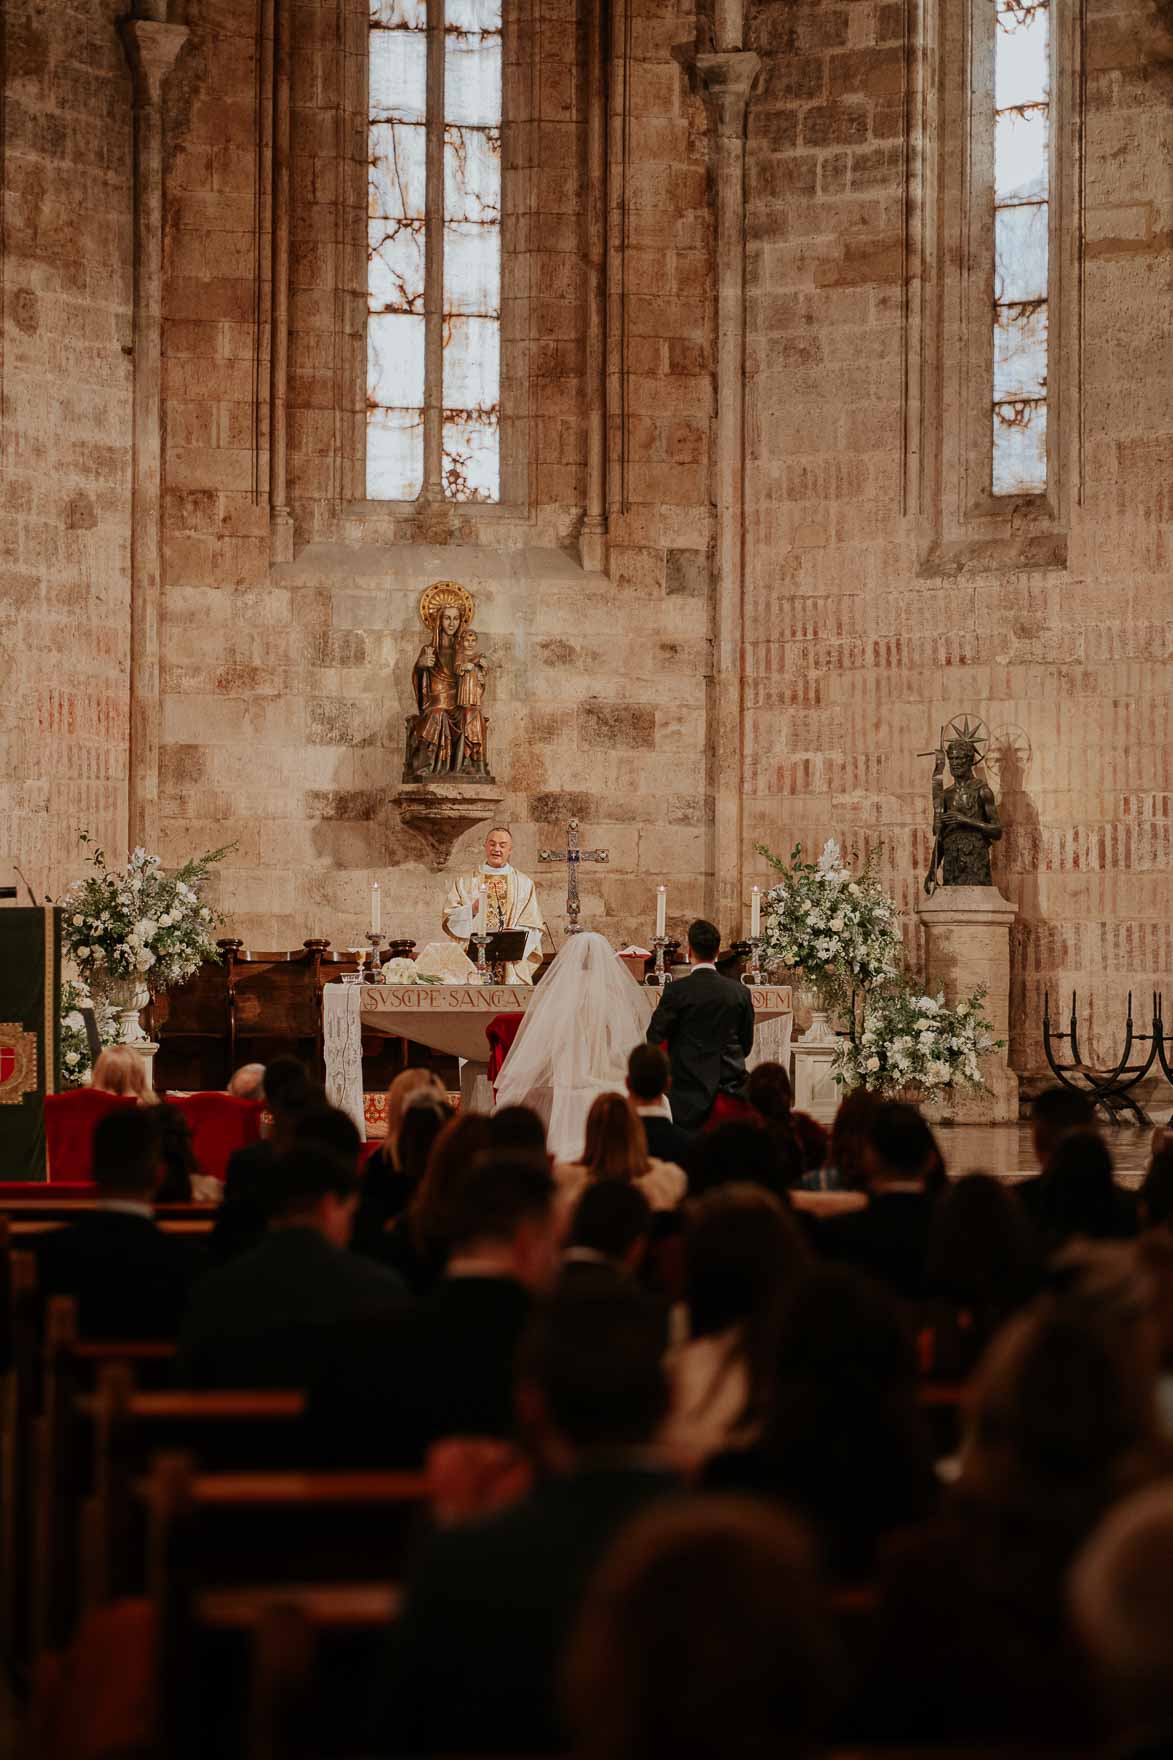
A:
73,1045
405,971
139,923
908,1040
837,927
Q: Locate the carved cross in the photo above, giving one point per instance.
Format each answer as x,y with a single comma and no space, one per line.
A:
572,856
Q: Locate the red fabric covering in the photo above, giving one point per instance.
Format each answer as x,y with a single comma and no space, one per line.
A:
501,1032
69,1130
730,1109
59,1191
219,1124
366,1150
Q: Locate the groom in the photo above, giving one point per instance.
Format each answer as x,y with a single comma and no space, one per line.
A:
707,1023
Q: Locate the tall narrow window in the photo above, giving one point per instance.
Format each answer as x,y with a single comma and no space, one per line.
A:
1022,206
434,251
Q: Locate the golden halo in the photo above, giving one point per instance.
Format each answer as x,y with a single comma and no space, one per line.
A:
439,596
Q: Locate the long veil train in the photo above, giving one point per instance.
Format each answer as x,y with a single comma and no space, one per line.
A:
574,1041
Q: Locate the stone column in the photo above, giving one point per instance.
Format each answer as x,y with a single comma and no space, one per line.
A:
592,542
728,78
280,517
151,48
967,943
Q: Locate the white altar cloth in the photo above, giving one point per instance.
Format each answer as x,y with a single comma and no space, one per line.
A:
453,1018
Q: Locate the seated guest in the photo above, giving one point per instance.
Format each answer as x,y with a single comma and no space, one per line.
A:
1054,1114
744,1257
609,1232
974,1644
617,1148
130,1278
445,1369
768,1090
517,1130
745,1152
649,1077
120,1070
1121,1597
248,1082
416,1243
704,1635
982,1264
389,1184
240,1220
845,1169
1076,1197
408,1086
889,1238
267,1319
180,1166
1154,1252
474,1659
1154,1201
843,1441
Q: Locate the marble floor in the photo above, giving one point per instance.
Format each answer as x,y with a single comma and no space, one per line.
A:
1005,1149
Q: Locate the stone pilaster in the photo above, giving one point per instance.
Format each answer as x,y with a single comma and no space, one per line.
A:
728,79
967,943
151,48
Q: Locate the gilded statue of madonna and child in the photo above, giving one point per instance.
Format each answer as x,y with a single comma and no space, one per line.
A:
448,734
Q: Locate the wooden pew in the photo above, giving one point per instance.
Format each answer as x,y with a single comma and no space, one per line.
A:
20,1392
223,1548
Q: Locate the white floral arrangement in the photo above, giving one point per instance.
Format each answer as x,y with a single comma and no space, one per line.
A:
405,971
73,1044
836,926
911,1040
138,922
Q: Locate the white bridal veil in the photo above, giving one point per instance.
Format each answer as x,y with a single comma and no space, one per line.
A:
574,1041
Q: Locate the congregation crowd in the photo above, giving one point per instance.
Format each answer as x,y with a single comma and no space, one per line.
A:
679,1410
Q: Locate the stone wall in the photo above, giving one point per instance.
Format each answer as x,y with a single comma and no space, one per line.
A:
857,649
65,379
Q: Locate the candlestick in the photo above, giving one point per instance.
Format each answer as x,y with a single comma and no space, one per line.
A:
658,977
376,910
661,910
755,913
372,971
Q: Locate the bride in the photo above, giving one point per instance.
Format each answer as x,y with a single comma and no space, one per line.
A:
574,1041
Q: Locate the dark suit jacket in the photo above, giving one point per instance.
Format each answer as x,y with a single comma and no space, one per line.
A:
442,1369
889,1240
666,1140
474,1658
267,1318
130,1279
707,1022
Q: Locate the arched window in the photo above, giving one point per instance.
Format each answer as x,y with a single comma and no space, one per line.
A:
434,251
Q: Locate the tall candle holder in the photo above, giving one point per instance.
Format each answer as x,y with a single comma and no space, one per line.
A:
484,973
658,977
372,970
753,975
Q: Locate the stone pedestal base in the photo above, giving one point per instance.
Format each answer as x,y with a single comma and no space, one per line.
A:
146,1049
967,944
815,1090
441,812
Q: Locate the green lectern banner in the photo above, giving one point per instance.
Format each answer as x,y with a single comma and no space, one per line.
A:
30,976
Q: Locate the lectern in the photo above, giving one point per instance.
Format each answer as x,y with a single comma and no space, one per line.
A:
30,985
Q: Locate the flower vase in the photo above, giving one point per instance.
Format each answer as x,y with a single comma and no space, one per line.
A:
127,997
821,1030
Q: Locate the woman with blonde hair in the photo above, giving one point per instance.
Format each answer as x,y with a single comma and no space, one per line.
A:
120,1070
616,1147
408,1086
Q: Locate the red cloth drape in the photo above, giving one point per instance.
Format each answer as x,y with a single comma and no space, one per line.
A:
501,1031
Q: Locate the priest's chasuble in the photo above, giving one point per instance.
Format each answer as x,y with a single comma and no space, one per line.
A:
512,903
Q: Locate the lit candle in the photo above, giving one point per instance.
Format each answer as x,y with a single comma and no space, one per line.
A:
661,909
376,910
755,913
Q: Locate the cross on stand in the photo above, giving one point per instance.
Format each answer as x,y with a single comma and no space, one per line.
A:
572,856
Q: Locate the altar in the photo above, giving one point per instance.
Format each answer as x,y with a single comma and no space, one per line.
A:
454,1018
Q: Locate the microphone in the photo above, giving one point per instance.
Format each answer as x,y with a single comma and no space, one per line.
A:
28,888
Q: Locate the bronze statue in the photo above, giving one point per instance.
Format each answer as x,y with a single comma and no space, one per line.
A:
965,818
448,734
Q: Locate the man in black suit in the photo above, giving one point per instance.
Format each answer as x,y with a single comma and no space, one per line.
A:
130,1279
474,1658
889,1239
649,1077
446,1368
266,1318
707,1023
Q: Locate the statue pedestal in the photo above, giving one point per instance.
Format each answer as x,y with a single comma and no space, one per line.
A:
441,812
967,944
815,1089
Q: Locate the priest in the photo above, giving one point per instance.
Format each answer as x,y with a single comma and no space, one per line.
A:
510,902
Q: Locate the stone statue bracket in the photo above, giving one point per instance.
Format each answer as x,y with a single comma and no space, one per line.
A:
965,816
448,733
